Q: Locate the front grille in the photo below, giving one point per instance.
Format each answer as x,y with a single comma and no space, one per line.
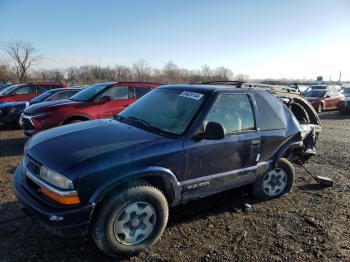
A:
27,124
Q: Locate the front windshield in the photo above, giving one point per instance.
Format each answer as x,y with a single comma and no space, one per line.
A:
42,97
315,93
166,110
8,90
89,92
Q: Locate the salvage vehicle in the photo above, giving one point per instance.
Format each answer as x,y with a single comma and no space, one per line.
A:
10,112
116,178
26,92
324,99
101,100
344,105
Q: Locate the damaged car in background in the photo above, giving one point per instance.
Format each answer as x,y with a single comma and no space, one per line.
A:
116,178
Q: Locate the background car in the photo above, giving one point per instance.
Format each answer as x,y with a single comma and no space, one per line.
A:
323,87
323,99
10,112
344,105
101,100
25,92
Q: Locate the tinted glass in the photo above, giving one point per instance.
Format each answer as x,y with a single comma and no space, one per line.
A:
25,90
234,112
116,92
59,95
42,97
346,91
318,87
41,89
315,93
8,90
89,92
271,111
168,110
140,91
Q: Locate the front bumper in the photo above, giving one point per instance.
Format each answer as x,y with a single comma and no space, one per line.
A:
28,126
72,221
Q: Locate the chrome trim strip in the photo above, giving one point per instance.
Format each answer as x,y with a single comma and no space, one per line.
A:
228,173
47,186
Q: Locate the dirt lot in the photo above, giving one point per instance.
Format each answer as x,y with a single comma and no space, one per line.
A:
308,225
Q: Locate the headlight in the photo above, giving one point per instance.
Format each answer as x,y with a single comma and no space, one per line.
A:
55,179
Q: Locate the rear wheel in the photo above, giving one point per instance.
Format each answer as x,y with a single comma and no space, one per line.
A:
276,182
131,220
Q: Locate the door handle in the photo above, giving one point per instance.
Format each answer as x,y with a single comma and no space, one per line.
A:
255,142
125,105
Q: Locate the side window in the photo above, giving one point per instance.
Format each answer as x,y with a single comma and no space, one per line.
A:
59,95
117,92
234,112
140,91
271,112
25,90
42,89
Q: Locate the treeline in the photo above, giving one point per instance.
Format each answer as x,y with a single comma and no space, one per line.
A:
139,71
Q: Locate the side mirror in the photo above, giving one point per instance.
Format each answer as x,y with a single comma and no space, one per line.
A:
214,131
104,99
327,96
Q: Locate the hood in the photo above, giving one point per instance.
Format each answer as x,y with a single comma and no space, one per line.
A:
48,106
90,146
11,104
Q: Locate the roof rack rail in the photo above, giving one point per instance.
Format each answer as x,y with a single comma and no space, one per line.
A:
281,88
277,88
220,82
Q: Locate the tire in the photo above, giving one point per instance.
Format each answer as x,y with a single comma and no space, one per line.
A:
320,108
266,186
113,238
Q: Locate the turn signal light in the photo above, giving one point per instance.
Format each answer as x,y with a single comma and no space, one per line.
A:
64,200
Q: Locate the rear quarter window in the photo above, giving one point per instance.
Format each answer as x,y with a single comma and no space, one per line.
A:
271,111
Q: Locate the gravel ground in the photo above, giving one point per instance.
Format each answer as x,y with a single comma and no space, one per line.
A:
310,224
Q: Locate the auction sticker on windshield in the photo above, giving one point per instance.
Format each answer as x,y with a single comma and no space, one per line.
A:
192,95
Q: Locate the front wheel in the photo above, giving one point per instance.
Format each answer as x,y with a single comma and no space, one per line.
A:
276,182
320,108
131,220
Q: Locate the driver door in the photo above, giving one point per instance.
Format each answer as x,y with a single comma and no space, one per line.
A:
216,165
121,97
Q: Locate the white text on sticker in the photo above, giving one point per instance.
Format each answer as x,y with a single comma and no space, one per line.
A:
192,95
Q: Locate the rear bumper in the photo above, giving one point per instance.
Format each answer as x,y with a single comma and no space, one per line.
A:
63,221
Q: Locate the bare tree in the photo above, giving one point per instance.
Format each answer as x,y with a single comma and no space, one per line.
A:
22,54
142,70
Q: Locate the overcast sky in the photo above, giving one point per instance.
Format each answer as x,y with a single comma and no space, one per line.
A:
262,38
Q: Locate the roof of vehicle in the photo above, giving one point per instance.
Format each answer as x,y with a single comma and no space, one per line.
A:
44,83
64,89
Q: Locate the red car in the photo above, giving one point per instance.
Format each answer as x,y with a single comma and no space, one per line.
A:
322,99
101,100
25,92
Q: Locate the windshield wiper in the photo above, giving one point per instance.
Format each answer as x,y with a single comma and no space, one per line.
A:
144,123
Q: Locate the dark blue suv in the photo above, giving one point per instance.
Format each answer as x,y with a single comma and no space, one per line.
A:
116,178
